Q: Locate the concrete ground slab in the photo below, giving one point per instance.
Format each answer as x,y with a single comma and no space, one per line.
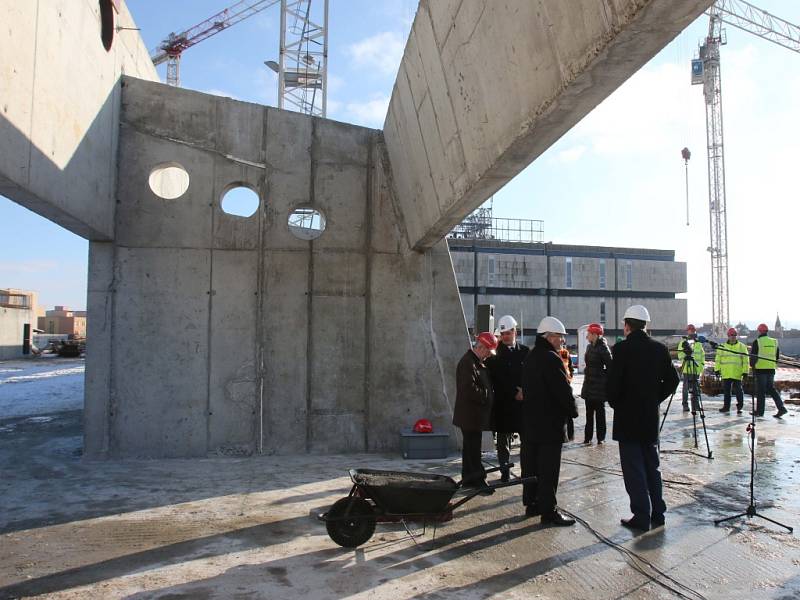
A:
246,527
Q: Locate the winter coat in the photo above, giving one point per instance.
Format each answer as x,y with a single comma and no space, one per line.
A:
474,395
640,378
506,371
731,360
548,400
598,361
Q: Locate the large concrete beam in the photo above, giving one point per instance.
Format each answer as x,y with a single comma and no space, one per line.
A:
486,87
59,108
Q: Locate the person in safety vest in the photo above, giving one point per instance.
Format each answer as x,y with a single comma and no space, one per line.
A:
693,359
763,358
473,409
731,365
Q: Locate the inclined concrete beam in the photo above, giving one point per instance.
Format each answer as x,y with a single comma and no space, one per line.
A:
59,109
486,87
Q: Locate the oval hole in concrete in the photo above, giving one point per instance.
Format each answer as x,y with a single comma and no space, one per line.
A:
240,201
306,223
169,180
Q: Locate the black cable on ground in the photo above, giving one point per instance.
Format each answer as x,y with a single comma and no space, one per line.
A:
636,561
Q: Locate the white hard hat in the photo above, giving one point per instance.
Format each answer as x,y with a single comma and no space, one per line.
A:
506,322
551,325
637,311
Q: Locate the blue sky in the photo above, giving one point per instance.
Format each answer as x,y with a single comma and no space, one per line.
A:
616,179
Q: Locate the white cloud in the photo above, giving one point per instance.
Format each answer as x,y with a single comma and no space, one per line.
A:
370,113
222,93
382,51
570,154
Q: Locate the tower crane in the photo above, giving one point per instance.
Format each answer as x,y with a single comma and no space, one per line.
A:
303,62
706,71
171,49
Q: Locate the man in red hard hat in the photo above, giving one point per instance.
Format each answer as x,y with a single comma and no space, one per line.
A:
731,365
473,410
763,358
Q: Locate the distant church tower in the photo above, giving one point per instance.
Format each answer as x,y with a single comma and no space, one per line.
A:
778,327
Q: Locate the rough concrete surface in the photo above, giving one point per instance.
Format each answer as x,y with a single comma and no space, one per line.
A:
246,527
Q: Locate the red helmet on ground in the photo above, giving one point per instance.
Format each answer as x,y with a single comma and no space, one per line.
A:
596,329
762,328
488,340
691,328
732,332
423,426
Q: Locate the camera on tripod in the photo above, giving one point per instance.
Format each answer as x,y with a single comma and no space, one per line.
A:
687,347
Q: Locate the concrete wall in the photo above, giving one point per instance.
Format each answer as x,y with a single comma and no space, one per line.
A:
59,109
220,334
485,87
12,322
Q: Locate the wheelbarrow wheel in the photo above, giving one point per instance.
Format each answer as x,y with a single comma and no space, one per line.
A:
351,522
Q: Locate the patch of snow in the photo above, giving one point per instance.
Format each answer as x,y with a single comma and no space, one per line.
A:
40,386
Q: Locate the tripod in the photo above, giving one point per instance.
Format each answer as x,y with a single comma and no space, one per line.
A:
751,511
697,405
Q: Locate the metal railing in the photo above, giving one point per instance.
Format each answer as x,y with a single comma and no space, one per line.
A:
482,227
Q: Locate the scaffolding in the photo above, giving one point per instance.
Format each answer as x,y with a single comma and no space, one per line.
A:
481,225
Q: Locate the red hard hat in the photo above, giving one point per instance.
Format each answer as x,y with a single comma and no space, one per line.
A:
762,328
596,328
732,332
691,327
488,340
423,426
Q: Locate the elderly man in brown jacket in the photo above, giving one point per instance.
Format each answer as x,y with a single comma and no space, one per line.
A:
473,409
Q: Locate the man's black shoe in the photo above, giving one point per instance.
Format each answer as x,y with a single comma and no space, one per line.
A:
633,524
504,476
725,410
757,414
780,413
481,488
738,411
557,519
656,521
685,408
531,510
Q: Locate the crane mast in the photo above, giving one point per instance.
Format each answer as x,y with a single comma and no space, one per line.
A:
706,71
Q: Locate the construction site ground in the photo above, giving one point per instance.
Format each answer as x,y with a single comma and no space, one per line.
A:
247,527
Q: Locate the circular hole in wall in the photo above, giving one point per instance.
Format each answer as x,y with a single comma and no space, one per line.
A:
240,201
169,180
106,24
306,223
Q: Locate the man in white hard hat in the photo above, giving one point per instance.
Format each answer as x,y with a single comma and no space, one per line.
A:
547,405
506,371
641,376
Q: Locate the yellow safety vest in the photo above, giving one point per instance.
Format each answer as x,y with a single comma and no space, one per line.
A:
698,353
767,348
731,361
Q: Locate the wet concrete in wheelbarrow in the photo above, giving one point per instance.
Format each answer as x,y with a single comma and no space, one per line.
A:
246,527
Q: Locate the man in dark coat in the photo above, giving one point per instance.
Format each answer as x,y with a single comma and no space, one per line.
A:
593,391
506,371
473,409
640,378
547,405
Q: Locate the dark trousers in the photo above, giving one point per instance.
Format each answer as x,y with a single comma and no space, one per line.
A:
640,471
736,385
544,461
503,445
765,384
691,387
595,411
472,470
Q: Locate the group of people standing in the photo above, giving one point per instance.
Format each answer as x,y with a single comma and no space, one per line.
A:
509,388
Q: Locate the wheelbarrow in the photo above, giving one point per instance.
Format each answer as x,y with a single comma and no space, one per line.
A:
399,497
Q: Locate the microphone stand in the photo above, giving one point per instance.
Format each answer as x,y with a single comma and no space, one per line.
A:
750,511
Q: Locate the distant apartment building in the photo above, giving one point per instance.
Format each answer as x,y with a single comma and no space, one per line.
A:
577,284
17,320
62,320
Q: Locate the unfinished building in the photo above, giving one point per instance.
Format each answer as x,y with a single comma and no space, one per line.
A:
219,334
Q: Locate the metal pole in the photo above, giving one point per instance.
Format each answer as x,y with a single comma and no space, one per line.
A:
325,65
281,56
